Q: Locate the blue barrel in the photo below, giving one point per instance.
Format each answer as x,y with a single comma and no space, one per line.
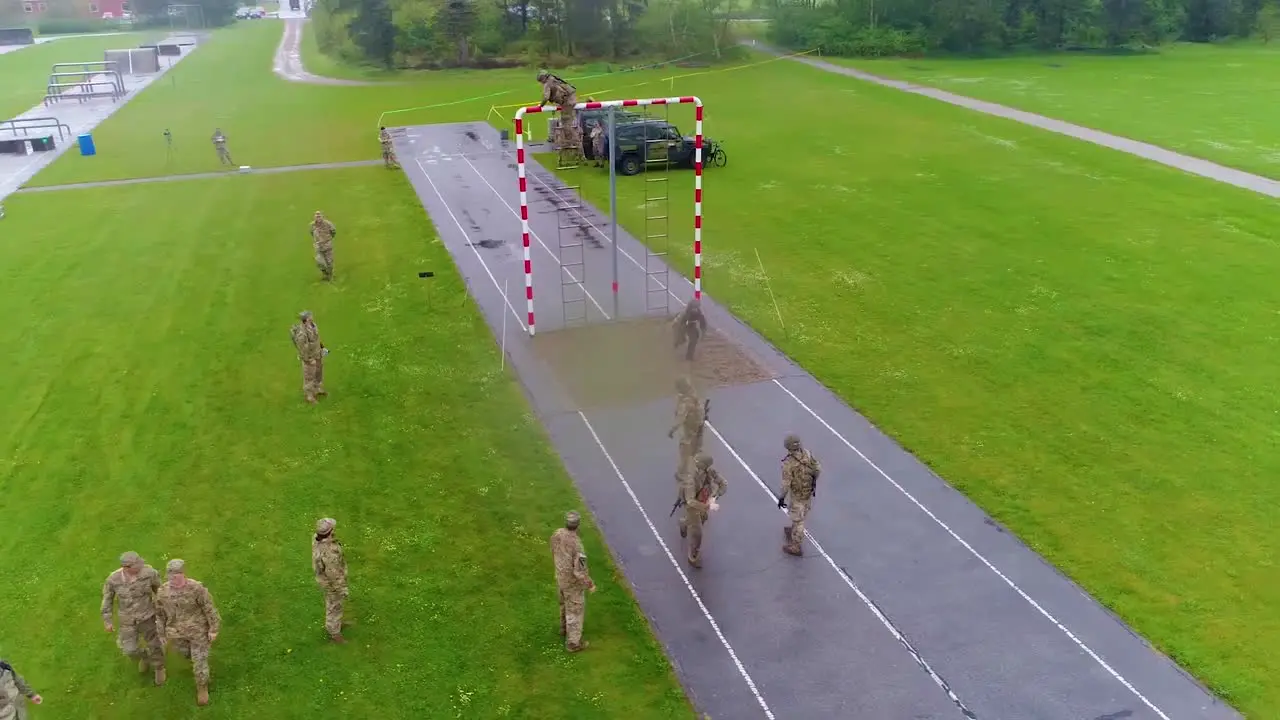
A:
86,144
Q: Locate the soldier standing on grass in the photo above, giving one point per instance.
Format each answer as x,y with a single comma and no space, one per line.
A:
700,491
311,351
330,568
134,585
689,325
388,150
322,234
220,144
572,580
690,416
12,691
186,614
597,145
800,470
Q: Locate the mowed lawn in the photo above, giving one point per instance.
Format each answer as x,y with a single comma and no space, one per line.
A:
24,74
271,122
1210,101
1082,342
152,402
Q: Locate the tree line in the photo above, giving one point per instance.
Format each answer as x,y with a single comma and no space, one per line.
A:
908,27
497,33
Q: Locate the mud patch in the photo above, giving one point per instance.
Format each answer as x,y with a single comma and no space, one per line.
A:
633,361
488,244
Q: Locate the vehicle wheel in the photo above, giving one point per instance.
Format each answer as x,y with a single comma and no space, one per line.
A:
719,159
629,165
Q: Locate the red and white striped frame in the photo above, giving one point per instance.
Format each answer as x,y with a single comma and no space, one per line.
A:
697,183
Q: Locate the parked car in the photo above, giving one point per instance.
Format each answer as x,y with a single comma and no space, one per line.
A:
650,142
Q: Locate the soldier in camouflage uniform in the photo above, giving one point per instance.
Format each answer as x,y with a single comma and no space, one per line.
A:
306,338
689,325
135,585
558,92
572,580
12,691
186,614
388,150
322,234
597,145
699,492
800,471
690,417
220,144
330,568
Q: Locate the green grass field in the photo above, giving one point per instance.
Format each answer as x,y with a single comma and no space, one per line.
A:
1202,100
25,72
1080,341
271,122
152,402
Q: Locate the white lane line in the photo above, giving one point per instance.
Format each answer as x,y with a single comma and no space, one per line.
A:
581,283
683,578
1079,643
871,605
483,264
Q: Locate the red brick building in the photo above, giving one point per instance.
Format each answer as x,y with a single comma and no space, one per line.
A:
33,9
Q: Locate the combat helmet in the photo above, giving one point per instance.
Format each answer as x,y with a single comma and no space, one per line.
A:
704,460
543,75
683,386
792,443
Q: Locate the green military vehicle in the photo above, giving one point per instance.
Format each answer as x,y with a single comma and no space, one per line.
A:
651,142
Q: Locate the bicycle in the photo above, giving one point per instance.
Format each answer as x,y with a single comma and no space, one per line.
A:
717,156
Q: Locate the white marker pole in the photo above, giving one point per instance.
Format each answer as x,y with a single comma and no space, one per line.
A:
503,365
768,286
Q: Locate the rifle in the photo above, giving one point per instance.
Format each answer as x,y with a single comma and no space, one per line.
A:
706,416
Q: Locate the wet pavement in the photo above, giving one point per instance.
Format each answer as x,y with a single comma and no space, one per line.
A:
909,602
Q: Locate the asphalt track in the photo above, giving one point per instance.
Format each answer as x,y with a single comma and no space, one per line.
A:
910,603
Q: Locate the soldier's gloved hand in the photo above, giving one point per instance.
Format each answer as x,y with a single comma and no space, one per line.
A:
213,636
36,699
782,502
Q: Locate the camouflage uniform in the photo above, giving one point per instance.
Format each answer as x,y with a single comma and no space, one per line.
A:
322,233
388,151
137,616
697,491
597,144
800,471
12,691
558,92
690,325
220,144
306,338
330,568
572,580
188,616
689,419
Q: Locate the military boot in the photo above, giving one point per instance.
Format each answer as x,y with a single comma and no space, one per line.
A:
793,549
338,639
579,647
160,676
202,694
696,561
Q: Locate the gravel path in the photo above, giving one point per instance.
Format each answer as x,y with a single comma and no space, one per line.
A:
288,60
1186,163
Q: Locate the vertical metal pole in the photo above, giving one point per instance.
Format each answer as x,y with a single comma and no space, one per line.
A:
613,202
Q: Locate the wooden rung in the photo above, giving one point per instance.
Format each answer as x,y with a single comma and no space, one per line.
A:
657,217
